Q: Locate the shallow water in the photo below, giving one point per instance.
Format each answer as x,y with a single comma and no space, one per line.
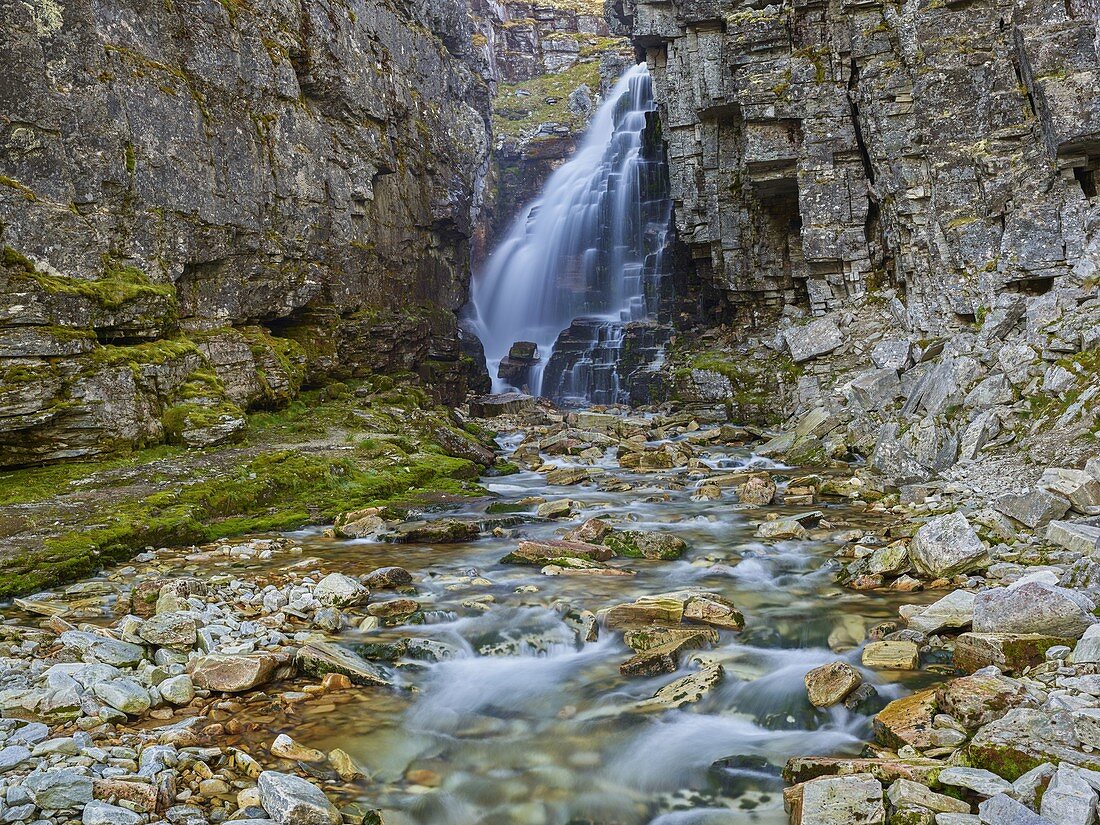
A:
523,723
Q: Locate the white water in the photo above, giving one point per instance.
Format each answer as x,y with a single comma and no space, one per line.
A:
584,248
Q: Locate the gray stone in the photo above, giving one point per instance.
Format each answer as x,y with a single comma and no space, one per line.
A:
291,800
905,792
990,392
1069,799
123,694
982,782
318,658
102,649
12,757
177,690
59,789
338,590
855,799
176,631
892,354
1075,536
876,389
818,337
1004,810
1034,508
1082,490
1016,361
946,546
1033,607
100,813
830,684
1087,649
955,610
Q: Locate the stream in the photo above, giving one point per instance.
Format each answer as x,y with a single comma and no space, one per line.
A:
524,722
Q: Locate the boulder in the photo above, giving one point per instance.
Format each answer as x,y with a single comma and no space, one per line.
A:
1079,537
558,508
290,800
780,528
1035,508
694,606
1070,798
1077,486
892,655
101,813
646,544
238,672
830,684
593,531
683,691
904,793
757,491
177,631
1009,652
319,658
892,354
853,800
1025,738
875,389
1034,608
509,403
543,552
955,610
981,782
978,699
907,721
886,770
946,546
59,789
177,690
125,695
1004,810
440,531
94,647
818,337
338,590
386,578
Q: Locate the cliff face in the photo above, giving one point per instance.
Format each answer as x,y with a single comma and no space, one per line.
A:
205,203
821,150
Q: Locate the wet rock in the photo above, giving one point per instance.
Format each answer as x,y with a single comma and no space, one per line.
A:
1034,508
560,508
831,800
830,684
540,553
907,721
394,610
1077,486
1009,652
892,655
294,801
890,560
345,765
1034,608
509,403
566,476
904,792
338,590
593,531
358,526
781,528
946,546
176,631
319,658
673,608
442,531
955,610
387,578
1025,738
815,338
758,491
683,691
236,673
644,544
286,748
645,638
886,770
664,658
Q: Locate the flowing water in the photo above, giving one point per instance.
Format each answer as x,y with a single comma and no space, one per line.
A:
589,249
523,722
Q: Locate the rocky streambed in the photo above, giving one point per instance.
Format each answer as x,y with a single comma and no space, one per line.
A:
646,622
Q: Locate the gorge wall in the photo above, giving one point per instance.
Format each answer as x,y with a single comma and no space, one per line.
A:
204,204
822,150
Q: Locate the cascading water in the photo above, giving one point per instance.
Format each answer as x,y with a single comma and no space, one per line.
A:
582,261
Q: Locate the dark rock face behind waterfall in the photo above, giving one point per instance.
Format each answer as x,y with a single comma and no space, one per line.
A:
821,151
205,204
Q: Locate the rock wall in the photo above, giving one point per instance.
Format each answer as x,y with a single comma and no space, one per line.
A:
823,150
206,203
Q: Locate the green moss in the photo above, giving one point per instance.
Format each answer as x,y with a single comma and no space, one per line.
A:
150,352
22,188
16,260
754,383
522,107
117,287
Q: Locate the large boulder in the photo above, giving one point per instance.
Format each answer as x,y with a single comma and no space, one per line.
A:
816,338
236,673
829,800
1034,508
954,610
1033,607
1008,652
947,546
338,590
290,800
830,684
1078,486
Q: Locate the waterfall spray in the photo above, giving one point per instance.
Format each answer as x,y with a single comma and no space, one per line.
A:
582,260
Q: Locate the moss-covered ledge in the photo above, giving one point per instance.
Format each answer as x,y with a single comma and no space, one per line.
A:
337,449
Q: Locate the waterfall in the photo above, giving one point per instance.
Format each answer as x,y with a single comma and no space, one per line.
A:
581,262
